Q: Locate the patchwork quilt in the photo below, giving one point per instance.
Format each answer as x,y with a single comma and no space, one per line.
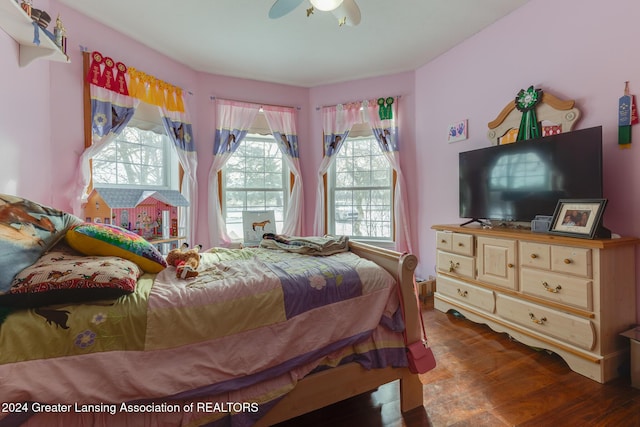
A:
252,324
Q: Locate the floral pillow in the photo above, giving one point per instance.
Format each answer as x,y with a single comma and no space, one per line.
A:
111,240
27,230
63,276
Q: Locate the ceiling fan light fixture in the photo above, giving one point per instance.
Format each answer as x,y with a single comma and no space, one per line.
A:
326,5
348,13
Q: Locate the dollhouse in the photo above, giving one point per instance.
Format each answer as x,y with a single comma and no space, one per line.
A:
153,214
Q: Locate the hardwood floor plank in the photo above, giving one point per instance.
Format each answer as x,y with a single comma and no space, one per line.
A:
484,378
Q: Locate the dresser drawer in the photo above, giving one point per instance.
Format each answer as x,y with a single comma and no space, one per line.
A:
444,240
469,294
570,260
458,243
462,244
535,255
560,288
566,327
456,264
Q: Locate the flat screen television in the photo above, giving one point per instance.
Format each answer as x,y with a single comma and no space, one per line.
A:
516,182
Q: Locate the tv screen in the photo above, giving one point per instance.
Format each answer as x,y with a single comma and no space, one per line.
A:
516,182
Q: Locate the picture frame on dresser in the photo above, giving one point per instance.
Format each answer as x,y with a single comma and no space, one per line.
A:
578,217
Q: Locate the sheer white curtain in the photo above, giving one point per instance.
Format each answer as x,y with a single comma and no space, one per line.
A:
282,121
110,114
337,121
179,130
386,133
233,120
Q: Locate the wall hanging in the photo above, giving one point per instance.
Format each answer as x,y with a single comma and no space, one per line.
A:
627,116
533,113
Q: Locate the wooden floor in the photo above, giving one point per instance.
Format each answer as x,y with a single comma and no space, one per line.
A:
484,378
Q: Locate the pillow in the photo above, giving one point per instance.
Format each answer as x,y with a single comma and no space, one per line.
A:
111,240
27,230
62,276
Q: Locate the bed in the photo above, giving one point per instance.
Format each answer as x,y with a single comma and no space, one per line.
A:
240,344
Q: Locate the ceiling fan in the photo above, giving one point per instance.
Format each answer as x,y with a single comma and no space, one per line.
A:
346,11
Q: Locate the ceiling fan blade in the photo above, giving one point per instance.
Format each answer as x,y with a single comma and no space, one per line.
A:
349,11
282,7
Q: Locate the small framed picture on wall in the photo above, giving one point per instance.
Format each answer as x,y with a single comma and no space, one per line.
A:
457,131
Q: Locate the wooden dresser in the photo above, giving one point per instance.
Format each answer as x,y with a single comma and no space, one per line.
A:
568,295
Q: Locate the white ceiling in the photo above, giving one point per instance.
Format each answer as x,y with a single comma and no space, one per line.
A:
237,38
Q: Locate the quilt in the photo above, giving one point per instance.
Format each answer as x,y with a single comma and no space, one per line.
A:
246,330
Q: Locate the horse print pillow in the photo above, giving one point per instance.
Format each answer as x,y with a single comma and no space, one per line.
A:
27,230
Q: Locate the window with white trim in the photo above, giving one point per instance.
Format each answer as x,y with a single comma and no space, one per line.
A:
360,202
255,178
142,155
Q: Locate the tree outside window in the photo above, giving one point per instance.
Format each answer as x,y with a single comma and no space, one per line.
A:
254,179
361,192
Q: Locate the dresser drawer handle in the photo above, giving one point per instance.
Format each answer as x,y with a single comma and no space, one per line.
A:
550,289
453,266
443,241
536,320
534,256
462,293
460,244
510,265
567,261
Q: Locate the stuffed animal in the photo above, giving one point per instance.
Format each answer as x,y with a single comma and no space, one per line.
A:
185,260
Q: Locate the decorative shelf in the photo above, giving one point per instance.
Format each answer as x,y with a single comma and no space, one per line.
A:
15,22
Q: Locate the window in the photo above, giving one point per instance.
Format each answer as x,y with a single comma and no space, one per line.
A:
142,155
255,178
361,191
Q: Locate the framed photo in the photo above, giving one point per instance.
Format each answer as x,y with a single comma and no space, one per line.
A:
578,217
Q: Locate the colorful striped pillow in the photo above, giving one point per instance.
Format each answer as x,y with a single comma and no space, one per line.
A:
111,240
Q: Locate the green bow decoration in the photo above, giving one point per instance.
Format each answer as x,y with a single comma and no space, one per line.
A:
526,102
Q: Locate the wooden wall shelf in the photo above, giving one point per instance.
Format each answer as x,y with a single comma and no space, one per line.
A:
17,24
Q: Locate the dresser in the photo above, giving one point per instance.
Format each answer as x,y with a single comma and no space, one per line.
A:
567,295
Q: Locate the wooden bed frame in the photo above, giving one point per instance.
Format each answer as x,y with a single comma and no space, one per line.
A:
327,387
333,385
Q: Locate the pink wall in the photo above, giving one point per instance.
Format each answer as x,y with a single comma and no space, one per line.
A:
24,125
583,50
580,49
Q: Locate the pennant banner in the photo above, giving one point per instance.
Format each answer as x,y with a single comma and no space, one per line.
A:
627,116
106,73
